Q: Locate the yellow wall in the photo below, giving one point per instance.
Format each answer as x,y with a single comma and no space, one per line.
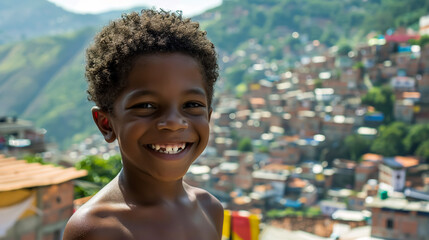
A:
10,198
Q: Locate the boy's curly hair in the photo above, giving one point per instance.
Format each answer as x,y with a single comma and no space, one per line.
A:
111,56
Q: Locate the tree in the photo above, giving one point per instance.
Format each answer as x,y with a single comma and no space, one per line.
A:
423,150
100,172
389,142
357,145
245,145
415,137
424,40
344,49
382,99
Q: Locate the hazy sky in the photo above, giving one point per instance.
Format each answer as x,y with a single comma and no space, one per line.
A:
189,7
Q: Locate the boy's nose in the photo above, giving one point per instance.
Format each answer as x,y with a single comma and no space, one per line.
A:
172,121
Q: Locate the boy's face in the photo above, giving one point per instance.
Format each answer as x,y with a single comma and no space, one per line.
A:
161,118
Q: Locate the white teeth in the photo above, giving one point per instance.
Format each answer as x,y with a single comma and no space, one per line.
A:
168,149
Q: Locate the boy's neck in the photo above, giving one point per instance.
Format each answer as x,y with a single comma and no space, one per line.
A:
142,189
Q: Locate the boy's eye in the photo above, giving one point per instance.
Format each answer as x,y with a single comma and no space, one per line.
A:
193,105
194,108
143,105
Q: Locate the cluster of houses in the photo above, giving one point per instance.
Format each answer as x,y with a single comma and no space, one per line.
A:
288,118
265,153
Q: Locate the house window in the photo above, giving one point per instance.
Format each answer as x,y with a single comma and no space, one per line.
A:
389,223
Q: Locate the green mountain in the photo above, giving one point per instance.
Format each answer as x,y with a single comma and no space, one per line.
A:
26,19
272,24
267,21
42,79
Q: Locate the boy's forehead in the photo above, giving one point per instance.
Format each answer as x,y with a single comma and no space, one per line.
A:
166,58
153,70
175,62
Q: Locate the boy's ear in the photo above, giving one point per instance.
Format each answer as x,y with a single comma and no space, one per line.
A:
210,113
101,119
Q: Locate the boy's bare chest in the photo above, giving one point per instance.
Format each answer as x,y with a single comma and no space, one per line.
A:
163,224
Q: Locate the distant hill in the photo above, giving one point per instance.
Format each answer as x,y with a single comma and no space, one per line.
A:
236,21
111,15
26,19
43,80
42,77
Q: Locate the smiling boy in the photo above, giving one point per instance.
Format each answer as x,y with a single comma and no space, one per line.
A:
151,76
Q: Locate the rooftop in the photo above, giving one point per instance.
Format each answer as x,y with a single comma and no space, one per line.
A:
399,204
17,174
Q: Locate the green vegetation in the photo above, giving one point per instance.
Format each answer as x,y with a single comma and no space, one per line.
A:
27,19
422,41
423,150
322,20
357,145
394,139
382,99
344,49
43,80
100,172
389,141
35,159
290,212
245,145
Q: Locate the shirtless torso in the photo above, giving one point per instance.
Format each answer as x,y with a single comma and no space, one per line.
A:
108,216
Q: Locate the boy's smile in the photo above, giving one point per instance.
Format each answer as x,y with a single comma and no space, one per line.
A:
161,118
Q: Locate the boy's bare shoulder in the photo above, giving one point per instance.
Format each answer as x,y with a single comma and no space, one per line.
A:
210,205
206,199
94,222
97,219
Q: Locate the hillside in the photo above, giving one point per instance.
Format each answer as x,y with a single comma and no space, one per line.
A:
236,21
266,28
26,19
42,79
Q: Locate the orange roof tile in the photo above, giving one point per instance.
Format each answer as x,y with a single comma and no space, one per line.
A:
297,183
241,200
290,138
407,161
257,101
277,166
372,157
411,95
262,188
18,174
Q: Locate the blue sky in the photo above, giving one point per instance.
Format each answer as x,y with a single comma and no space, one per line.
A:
189,7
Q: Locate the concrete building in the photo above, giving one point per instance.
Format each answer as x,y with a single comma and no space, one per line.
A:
19,137
393,171
36,200
399,219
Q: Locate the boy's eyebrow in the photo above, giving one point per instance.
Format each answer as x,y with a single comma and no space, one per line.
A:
196,91
138,93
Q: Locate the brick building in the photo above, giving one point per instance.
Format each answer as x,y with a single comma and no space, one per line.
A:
36,200
399,219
